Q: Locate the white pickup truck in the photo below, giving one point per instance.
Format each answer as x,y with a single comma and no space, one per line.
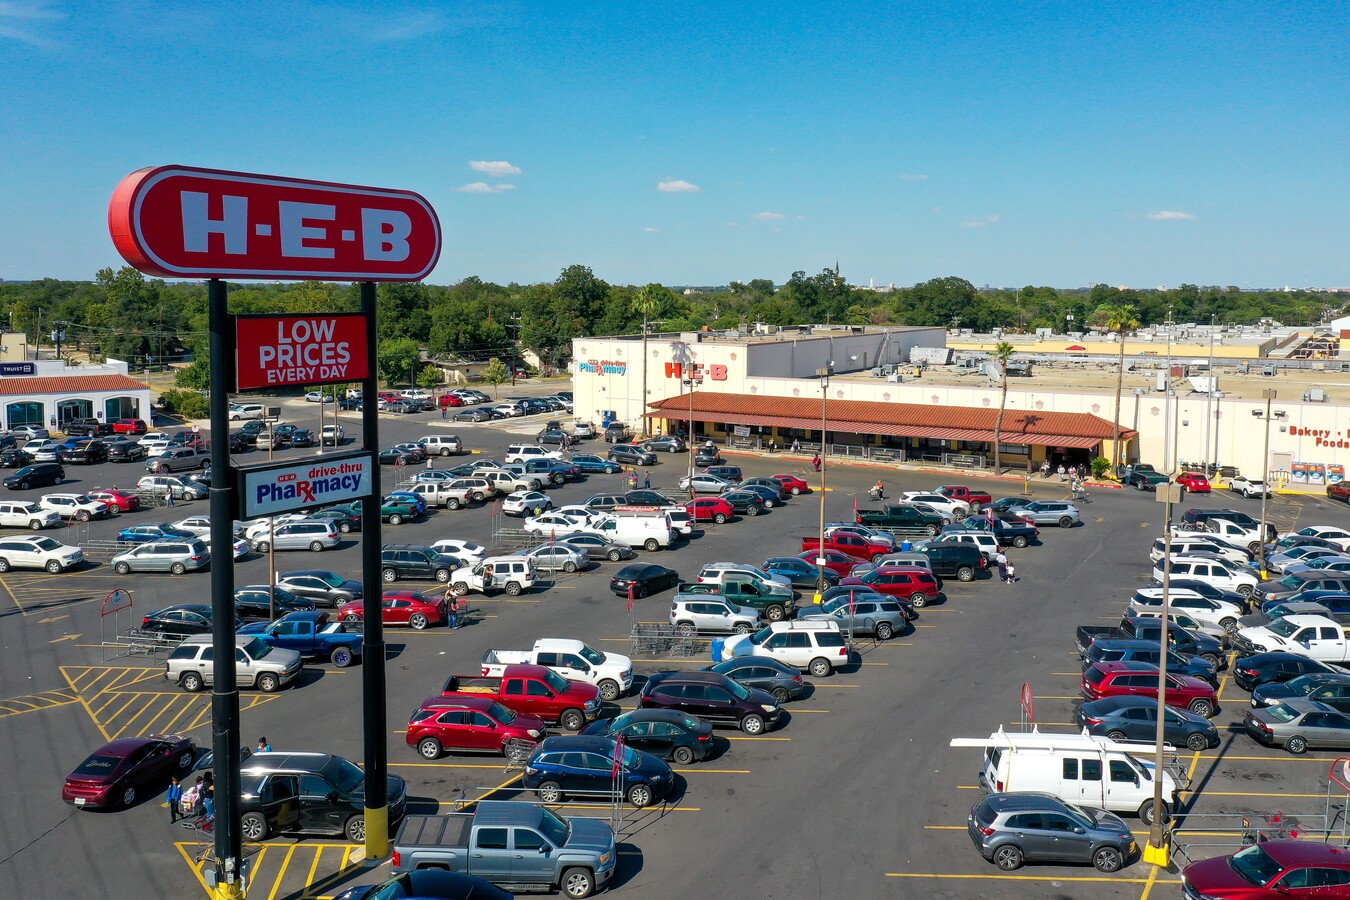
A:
1320,637
574,660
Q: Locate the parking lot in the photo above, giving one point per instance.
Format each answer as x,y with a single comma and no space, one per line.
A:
856,794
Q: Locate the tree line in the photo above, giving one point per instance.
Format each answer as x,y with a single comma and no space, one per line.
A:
125,315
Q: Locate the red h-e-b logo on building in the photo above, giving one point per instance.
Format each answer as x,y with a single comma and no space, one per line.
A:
696,371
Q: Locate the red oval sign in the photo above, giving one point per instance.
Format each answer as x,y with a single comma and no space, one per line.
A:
184,222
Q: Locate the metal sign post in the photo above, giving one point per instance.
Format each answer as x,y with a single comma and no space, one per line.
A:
1158,851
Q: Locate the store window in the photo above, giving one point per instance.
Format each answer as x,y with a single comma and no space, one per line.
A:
68,410
115,408
1015,449
27,412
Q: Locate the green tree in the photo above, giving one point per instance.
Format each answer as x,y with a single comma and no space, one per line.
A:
188,404
196,377
430,377
1003,351
494,373
1119,319
398,358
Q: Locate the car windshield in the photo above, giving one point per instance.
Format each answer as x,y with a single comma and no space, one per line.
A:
555,681
759,637
591,655
1282,712
344,775
1254,865
1303,683
632,759
98,765
46,543
1290,582
258,648
1282,628
501,713
555,827
332,579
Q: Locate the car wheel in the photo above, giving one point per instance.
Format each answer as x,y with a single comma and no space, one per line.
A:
389,575
1116,736
609,690
1146,813
351,617
752,511
513,588
418,622
268,683
686,629
1138,485
556,479
550,792
796,491
1254,547
610,470
780,695
476,496
572,720
1245,590
1297,744
452,503
774,613
640,795
884,631
682,756
753,724
614,556
965,573
341,657
569,567
930,530
345,528
82,516
918,599
1202,708
651,545
720,518
1197,742
356,829
445,451
1229,624
578,882
36,525
1008,857
1107,859
191,682
23,485
262,546
122,569
177,569
253,827
820,667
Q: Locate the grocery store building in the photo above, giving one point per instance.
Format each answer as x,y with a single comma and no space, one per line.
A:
49,393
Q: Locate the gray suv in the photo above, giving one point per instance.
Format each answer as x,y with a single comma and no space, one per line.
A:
168,555
1050,512
178,459
702,615
882,616
630,453
1010,829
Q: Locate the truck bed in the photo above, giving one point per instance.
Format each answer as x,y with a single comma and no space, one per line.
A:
444,832
472,684
1086,634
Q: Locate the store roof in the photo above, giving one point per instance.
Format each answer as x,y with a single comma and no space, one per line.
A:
958,423
69,384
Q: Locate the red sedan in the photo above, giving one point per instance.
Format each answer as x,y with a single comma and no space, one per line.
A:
1271,870
838,563
710,509
1194,482
450,400
129,426
415,609
911,582
118,501
792,484
468,723
120,772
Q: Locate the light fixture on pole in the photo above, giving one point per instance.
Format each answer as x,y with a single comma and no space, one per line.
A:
1269,395
824,376
1158,851
692,379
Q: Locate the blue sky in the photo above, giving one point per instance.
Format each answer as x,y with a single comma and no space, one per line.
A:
697,143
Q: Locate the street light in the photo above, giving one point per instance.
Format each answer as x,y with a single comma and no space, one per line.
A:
1269,395
1158,851
1068,322
692,380
824,376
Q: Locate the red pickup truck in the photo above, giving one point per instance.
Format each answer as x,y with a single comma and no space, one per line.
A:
534,690
972,498
855,545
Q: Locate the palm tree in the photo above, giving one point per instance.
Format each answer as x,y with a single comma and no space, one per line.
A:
1120,319
646,301
1003,351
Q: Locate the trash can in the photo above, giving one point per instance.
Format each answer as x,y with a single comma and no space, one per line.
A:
717,645
906,546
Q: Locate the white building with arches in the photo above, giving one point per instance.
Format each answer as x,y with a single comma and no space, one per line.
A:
49,393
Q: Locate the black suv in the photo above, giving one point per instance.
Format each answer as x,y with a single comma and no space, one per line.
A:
313,793
36,475
415,561
714,697
88,453
632,454
13,458
960,561
89,427
553,436
707,456
123,450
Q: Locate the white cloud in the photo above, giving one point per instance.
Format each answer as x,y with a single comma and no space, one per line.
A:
407,26
768,216
649,230
482,187
16,17
912,176
498,169
979,223
678,186
1170,215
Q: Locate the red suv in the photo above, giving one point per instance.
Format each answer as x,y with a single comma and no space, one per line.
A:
1140,679
911,582
472,724
129,426
1194,482
706,509
400,607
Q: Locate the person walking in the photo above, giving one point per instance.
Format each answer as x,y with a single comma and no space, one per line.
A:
647,481
174,796
815,461
1012,574
429,462
1002,562
445,410
452,609
168,498
263,746
1060,470
209,795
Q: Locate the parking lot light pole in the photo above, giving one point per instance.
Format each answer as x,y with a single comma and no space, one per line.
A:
692,381
1158,851
1269,395
824,376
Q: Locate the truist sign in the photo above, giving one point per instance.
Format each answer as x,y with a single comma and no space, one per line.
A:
321,348
184,222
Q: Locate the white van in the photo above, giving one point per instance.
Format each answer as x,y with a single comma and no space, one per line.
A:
1079,768
651,531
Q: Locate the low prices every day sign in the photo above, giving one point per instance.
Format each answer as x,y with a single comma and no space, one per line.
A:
323,348
270,490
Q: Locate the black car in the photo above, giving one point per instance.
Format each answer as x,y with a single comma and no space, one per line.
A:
553,436
7,441
427,884
351,403
771,496
344,519
707,456
421,563
644,578
88,454
714,697
323,587
647,498
311,793
472,415
664,733
746,503
393,456
251,603
181,620
1276,667
35,475
772,485
1330,688
302,437
13,458
251,429
667,443
955,560
573,765
1136,719
801,572
123,450
765,673
631,454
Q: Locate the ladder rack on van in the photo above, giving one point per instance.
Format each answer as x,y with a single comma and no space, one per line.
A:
1035,739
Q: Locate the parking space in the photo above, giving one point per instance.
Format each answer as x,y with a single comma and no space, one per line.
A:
856,794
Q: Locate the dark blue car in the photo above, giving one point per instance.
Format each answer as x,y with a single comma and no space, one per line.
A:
588,462
582,765
800,572
140,534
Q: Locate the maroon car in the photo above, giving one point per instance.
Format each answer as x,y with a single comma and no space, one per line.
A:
838,563
910,582
470,724
1271,870
117,773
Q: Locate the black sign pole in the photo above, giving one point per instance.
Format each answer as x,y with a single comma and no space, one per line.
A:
372,666
224,690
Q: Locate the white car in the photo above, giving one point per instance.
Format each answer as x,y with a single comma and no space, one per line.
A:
414,394
201,525
75,506
1148,601
555,557
24,551
953,509
1338,536
712,573
44,450
154,446
706,484
318,397
555,524
260,528
27,514
241,546
245,411
1212,571
1249,487
523,503
581,512
466,551
507,410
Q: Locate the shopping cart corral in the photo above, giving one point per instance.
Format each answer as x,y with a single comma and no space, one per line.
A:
651,638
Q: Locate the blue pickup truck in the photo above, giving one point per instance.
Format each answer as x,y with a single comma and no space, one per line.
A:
518,846
312,633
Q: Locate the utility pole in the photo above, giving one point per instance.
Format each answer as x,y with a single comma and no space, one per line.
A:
642,407
1168,450
1158,851
1209,398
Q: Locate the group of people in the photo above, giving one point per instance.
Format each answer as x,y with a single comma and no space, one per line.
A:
199,801
1071,472
1007,572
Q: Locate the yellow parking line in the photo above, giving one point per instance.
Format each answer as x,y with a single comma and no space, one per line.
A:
281,872
149,704
1209,793
314,867
333,879
1074,878
1148,885
187,707
192,864
875,664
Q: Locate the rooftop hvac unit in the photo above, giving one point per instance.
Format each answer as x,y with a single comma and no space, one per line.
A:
1314,395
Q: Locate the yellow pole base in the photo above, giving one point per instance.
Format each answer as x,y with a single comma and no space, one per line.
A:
228,891
1158,856
377,833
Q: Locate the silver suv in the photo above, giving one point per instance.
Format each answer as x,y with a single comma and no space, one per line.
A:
167,555
256,663
307,534
712,615
881,616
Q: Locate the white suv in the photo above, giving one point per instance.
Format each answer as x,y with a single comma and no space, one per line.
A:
944,506
24,551
519,453
246,411
1212,571
712,573
442,444
813,644
75,506
27,514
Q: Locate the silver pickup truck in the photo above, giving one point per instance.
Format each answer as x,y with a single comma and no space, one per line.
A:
517,846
